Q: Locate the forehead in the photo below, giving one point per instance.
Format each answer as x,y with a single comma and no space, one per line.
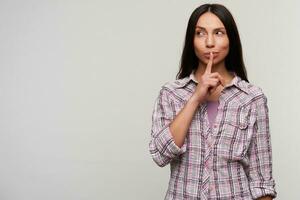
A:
209,20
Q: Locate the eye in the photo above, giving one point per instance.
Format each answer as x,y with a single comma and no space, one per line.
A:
220,32
200,33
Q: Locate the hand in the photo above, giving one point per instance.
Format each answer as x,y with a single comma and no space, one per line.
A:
208,82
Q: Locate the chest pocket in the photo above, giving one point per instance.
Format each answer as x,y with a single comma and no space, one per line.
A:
234,134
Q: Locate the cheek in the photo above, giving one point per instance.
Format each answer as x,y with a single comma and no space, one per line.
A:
224,49
224,45
199,47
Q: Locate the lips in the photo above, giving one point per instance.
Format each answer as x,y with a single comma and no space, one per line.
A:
215,54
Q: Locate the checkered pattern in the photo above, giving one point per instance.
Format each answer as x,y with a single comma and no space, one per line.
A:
230,160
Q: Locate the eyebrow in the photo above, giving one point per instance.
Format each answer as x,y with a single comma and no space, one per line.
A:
214,29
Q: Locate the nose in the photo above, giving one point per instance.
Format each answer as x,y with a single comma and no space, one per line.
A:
210,41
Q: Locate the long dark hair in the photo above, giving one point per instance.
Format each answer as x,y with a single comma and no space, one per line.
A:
233,61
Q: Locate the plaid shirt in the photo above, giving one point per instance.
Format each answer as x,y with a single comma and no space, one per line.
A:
230,160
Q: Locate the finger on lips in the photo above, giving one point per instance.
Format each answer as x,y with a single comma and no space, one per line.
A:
209,64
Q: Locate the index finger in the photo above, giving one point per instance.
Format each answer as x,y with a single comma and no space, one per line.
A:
209,64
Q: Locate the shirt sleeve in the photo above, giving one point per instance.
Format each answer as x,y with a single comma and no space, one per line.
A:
162,146
260,154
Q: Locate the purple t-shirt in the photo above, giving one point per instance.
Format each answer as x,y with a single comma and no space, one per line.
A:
212,109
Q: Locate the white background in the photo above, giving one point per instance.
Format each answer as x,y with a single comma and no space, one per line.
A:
78,80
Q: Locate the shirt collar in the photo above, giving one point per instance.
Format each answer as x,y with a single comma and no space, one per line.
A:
236,81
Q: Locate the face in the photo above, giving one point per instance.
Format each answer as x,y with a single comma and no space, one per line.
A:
210,36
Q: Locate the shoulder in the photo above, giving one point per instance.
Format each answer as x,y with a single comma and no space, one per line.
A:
255,92
175,84
176,90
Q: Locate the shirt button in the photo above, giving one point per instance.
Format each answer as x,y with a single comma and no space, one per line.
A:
210,142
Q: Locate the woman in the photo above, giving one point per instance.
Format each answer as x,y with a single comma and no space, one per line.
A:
211,124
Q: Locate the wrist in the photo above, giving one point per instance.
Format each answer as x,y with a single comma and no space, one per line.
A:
195,100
